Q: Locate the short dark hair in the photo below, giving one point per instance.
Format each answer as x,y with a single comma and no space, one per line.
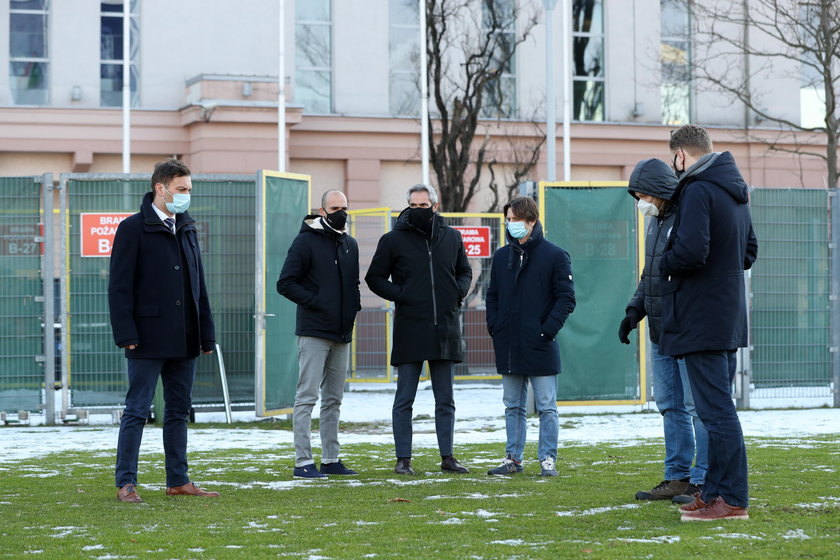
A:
524,208
165,171
691,138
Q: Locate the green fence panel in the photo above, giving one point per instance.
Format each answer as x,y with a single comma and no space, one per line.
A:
21,295
597,226
224,212
791,284
285,204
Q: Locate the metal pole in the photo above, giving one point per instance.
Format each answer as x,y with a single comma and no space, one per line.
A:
834,202
281,90
126,88
47,277
223,376
550,95
567,107
424,98
63,300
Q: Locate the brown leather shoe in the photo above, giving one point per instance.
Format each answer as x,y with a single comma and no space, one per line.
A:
716,510
451,464
128,493
695,505
190,489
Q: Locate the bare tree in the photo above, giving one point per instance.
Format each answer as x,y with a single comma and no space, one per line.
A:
802,35
470,46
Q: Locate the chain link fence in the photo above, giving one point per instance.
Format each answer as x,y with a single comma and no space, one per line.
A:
790,285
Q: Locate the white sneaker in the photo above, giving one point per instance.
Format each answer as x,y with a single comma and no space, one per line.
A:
547,467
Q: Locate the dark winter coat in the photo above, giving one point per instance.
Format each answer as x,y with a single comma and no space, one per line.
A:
703,300
429,277
655,178
531,295
321,275
156,292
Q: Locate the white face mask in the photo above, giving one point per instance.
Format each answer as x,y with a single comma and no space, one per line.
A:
647,208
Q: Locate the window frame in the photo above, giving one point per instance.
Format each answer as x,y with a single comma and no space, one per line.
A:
35,60
317,69
602,79
134,68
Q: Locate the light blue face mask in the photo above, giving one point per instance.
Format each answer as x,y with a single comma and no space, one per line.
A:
517,230
180,203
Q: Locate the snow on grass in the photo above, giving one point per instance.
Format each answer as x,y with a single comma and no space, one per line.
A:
797,534
596,511
665,539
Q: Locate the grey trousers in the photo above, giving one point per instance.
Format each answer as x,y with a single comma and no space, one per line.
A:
323,365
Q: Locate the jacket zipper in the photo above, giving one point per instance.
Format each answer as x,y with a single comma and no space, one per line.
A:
515,279
432,274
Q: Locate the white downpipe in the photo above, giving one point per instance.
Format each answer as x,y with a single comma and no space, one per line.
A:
424,98
550,94
281,91
126,88
567,103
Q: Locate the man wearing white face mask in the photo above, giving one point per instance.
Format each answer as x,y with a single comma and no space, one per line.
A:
160,315
653,183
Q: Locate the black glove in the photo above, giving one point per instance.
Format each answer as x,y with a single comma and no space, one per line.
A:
630,322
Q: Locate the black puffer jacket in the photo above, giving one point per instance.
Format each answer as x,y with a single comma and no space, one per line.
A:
703,296
427,277
655,178
321,275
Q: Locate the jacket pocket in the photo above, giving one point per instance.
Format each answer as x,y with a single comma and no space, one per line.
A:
147,311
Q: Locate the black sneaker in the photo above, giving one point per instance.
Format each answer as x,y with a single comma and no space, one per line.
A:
451,464
508,467
403,466
688,496
307,471
665,490
336,468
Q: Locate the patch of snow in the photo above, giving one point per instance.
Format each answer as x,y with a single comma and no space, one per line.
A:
798,534
595,511
511,542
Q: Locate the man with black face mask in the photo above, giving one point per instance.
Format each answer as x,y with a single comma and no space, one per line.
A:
422,266
321,275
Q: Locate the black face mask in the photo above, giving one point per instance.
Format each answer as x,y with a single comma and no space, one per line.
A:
677,172
420,217
337,220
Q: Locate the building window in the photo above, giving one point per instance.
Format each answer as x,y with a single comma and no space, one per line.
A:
675,62
313,55
499,18
29,52
111,53
404,50
588,81
811,82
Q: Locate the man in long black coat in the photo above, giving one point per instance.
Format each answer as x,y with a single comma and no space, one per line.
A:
160,315
704,312
422,266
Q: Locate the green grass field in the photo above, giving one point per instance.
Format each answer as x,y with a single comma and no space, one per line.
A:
63,506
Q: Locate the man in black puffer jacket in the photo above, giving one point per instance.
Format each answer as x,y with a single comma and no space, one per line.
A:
704,311
653,184
321,275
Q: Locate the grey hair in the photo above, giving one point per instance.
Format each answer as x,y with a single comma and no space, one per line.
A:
420,187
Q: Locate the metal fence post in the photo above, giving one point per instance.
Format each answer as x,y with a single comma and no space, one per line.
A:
834,217
47,279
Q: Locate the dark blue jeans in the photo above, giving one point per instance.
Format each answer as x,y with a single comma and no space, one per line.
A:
177,375
442,373
711,375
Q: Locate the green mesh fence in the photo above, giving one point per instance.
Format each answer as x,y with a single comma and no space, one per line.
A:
21,301
224,212
791,284
597,226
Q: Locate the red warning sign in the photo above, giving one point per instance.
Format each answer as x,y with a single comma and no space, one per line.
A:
97,232
476,240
